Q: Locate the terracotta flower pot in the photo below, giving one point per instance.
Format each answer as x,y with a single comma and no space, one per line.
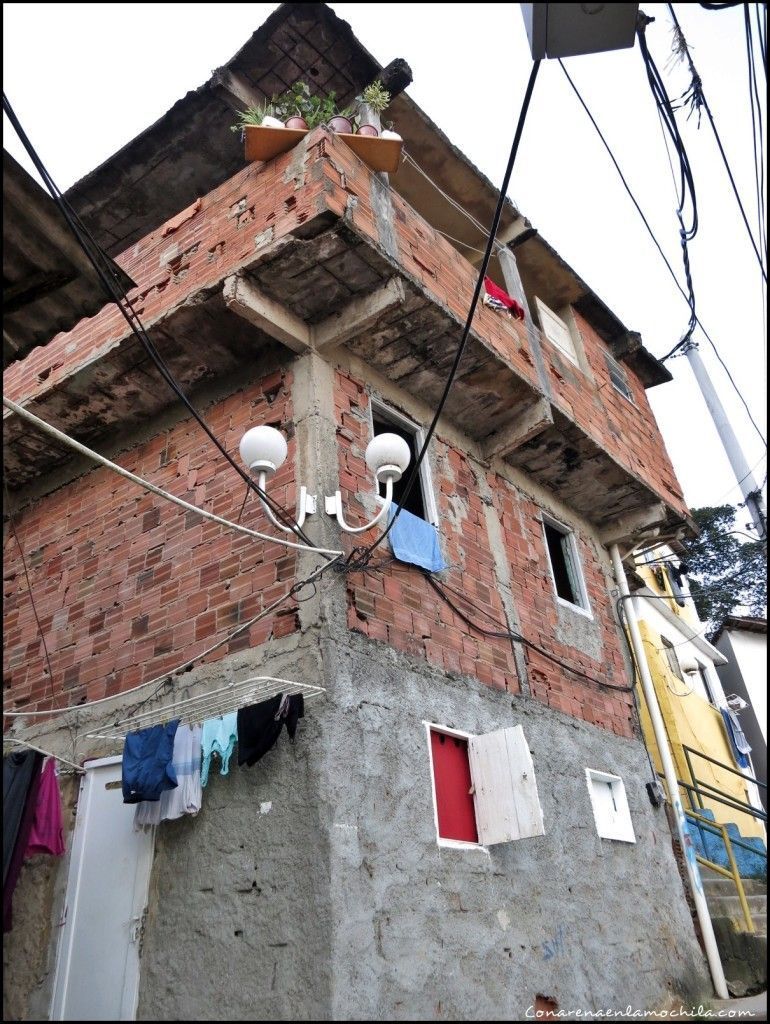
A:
296,122
341,124
367,129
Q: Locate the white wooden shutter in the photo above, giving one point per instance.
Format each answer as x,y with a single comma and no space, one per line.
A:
505,791
556,330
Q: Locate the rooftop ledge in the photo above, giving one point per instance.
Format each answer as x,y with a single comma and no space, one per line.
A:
310,251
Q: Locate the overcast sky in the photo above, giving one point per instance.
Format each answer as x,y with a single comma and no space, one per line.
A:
84,79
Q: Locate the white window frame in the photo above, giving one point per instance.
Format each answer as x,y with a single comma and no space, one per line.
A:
616,825
569,349
613,365
584,607
377,405
524,765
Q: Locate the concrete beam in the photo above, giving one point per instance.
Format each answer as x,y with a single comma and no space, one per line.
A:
533,420
630,527
235,87
244,298
358,315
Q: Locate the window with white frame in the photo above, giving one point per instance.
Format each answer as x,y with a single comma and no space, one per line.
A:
564,561
618,377
484,789
556,331
610,806
420,501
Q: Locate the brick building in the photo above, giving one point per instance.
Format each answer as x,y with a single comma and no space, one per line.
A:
314,295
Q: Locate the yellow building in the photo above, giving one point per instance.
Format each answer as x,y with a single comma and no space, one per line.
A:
683,668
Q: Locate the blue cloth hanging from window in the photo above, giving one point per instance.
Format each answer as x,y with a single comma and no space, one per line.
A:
415,541
738,741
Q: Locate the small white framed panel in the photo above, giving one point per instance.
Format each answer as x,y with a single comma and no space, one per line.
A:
610,806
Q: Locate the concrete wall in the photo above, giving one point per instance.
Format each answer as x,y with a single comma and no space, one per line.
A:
339,904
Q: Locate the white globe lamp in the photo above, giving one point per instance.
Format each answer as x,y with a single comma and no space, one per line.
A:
388,455
263,449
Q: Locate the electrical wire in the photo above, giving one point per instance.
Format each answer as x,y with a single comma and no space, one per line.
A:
660,250
502,197
104,268
757,132
12,524
686,196
186,665
506,633
695,98
70,442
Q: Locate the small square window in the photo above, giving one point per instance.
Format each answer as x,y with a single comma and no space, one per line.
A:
618,377
610,806
420,500
556,331
565,565
484,789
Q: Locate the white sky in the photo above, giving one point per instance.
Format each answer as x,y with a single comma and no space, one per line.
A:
84,79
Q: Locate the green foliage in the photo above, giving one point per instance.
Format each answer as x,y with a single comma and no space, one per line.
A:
725,572
253,115
375,96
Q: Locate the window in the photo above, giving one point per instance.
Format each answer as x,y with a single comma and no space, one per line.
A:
420,501
610,806
706,685
672,658
557,332
565,565
618,377
484,789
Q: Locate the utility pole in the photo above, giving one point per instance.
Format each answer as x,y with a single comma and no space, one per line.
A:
752,494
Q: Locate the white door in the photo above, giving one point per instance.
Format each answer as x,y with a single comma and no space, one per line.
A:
97,968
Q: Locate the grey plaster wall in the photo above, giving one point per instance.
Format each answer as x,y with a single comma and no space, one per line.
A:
337,903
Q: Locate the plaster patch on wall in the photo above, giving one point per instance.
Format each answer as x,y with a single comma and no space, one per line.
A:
266,807
504,919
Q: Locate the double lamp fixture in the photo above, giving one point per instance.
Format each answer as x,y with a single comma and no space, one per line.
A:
264,450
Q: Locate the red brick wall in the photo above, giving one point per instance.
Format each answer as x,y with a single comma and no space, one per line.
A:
393,602
536,603
127,585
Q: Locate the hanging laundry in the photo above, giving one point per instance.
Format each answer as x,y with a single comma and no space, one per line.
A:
219,737
415,541
186,798
738,741
47,833
19,769
259,725
21,781
147,767
499,299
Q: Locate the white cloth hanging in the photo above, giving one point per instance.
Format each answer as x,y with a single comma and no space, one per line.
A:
187,797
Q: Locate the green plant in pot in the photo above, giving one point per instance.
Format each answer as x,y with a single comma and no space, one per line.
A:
375,99
263,115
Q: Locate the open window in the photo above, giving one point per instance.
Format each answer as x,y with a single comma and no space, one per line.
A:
565,566
556,331
610,806
420,501
484,789
618,377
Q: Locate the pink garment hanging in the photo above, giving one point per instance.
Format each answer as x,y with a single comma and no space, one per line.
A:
47,833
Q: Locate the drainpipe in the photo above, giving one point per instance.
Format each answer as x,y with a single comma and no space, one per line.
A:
669,772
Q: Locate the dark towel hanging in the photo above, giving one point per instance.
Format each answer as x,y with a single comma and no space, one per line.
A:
259,725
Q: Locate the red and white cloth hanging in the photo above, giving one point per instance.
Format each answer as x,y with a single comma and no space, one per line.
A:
500,300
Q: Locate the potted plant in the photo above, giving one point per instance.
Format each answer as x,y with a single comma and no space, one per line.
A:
375,98
263,115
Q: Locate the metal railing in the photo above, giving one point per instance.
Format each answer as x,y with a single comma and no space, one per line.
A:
733,873
705,790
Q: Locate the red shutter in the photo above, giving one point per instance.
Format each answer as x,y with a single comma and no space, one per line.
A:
452,782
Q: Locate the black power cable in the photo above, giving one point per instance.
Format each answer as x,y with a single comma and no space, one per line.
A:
413,475
696,98
657,244
757,133
686,183
104,269
517,638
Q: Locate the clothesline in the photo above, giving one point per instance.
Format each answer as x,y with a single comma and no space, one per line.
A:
211,704
79,769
